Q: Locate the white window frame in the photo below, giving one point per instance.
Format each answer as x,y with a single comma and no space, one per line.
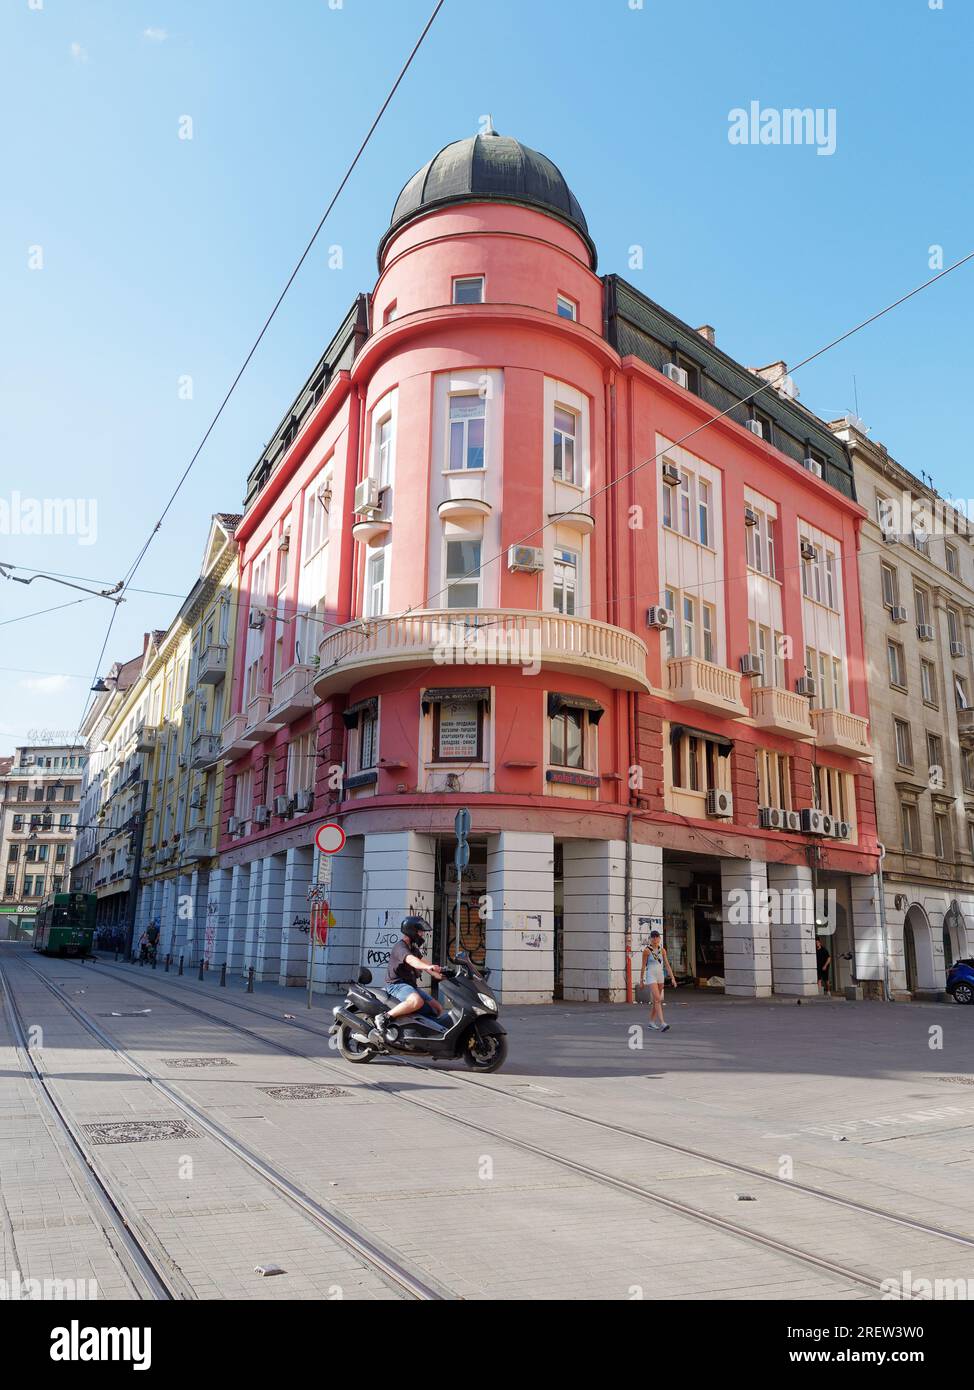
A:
374,594
559,438
464,422
564,302
467,578
459,280
566,567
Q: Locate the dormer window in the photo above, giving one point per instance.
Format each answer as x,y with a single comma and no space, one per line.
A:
468,289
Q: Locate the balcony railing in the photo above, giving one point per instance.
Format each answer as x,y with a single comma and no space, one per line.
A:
197,843
703,685
260,723
235,738
212,664
293,694
782,711
481,637
206,750
840,732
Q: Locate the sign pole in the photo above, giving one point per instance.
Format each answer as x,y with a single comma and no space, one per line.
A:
461,859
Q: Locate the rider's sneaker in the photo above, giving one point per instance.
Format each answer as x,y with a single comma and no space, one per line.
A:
379,1026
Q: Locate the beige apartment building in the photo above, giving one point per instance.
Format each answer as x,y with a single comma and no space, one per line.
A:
39,796
917,579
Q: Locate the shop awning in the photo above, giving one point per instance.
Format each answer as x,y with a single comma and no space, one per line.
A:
350,715
558,701
722,744
454,695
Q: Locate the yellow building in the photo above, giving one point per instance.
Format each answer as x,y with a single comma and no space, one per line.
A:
166,733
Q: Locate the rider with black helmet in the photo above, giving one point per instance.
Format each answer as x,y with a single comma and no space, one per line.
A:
402,973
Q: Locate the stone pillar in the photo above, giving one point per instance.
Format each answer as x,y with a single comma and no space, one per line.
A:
167,918
793,966
867,928
747,927
594,926
183,917
253,915
399,869
270,921
520,921
296,916
217,916
345,951
239,913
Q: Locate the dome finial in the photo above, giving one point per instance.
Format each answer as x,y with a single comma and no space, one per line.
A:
487,122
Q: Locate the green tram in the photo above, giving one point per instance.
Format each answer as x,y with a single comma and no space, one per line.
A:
65,924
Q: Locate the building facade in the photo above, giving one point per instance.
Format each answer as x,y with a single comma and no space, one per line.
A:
94,727
917,578
501,555
39,799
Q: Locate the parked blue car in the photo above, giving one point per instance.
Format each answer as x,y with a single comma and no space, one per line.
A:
960,981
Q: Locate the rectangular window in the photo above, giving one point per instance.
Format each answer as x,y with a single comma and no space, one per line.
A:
911,828
375,588
568,738
382,452
922,606
300,770
960,693
703,512
904,743
567,308
928,682
667,506
565,582
831,586
467,426
951,558
463,574
468,289
953,625
669,633
894,657
316,508
368,728
458,731
707,631
566,429
685,505
941,837
936,768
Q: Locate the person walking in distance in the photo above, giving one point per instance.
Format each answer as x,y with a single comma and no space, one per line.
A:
656,967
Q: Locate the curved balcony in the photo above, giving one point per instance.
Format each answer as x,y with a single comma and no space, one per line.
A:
781,711
840,732
481,637
704,685
235,738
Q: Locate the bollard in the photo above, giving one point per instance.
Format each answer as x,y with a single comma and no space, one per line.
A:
223,974
141,958
155,957
168,961
250,979
201,968
180,965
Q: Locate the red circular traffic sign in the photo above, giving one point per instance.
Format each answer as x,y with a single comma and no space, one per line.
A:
330,838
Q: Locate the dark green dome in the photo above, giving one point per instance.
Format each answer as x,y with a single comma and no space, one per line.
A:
488,168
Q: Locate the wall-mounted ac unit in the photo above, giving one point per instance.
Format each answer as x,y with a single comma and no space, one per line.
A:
812,821
304,800
671,474
366,496
282,805
771,818
828,824
898,613
719,803
793,820
756,427
812,466
750,517
262,815
675,373
233,825
752,664
284,541
659,618
525,559
957,649
255,621
925,632
808,550
805,685
842,830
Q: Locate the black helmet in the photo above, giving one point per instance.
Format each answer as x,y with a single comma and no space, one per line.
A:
413,928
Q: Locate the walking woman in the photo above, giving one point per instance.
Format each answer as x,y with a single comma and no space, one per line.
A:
656,967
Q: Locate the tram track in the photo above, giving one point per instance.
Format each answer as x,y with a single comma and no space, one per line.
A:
874,1283
384,1262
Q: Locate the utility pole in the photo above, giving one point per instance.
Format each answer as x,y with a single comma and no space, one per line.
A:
133,901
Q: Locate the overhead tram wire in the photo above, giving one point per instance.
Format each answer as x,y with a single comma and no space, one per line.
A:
133,568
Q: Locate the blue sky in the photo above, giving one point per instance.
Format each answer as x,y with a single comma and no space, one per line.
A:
161,256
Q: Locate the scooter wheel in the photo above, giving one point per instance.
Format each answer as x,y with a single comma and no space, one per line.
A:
486,1054
351,1050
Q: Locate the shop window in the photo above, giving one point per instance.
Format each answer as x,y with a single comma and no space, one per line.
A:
458,731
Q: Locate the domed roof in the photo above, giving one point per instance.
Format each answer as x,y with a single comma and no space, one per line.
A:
489,168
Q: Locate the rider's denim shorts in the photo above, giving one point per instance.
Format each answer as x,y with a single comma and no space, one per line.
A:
401,991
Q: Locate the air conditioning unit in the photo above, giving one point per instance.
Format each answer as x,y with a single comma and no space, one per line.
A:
898,613
771,818
671,474
842,830
255,621
957,649
304,801
750,517
828,824
282,805
890,536
675,373
812,822
793,820
812,466
525,559
808,550
284,541
233,825
752,664
755,427
262,815
366,496
659,617
925,632
805,685
719,803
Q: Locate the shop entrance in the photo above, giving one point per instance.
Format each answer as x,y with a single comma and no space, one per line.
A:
473,912
693,920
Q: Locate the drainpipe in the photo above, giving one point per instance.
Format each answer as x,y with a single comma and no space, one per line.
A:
887,995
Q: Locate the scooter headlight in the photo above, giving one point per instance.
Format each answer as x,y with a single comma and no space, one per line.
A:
487,1002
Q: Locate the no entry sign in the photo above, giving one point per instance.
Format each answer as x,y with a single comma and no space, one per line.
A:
330,838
